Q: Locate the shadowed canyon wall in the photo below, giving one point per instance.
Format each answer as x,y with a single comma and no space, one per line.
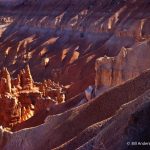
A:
51,51
49,35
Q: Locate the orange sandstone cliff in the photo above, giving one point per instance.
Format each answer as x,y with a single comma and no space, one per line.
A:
74,74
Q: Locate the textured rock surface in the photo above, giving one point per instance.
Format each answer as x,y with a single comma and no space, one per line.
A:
129,125
51,39
130,62
21,98
61,40
52,133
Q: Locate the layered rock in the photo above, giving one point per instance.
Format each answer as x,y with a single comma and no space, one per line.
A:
26,79
5,82
21,98
134,94
130,123
63,38
130,62
61,41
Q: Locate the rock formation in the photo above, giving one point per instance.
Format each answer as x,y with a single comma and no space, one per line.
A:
64,41
26,79
98,121
21,98
112,71
130,123
101,47
5,82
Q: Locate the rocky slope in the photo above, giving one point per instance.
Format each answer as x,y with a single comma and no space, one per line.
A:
128,129
60,128
88,77
105,106
51,39
129,125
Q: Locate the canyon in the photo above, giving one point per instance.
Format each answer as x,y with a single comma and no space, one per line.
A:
74,74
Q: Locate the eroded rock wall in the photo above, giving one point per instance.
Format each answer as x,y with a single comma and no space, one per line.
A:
21,98
63,39
52,133
130,62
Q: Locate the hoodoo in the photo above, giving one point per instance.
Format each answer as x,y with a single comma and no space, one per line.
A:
26,78
74,74
21,98
5,83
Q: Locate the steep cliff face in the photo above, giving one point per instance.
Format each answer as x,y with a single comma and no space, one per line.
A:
63,39
130,62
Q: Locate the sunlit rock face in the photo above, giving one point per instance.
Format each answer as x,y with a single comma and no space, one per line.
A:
26,79
21,98
81,44
127,112
63,39
109,71
130,62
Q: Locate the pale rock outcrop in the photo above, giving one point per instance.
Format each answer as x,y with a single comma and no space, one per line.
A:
130,62
105,71
89,93
109,71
